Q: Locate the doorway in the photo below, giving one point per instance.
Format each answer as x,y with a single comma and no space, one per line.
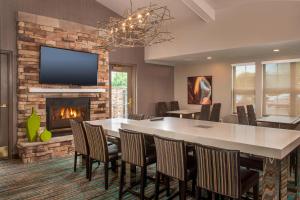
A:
122,90
5,104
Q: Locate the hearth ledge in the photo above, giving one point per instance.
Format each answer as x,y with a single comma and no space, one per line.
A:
53,140
65,90
30,152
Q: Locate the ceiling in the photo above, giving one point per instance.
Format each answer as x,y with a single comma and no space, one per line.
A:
178,9
205,13
265,52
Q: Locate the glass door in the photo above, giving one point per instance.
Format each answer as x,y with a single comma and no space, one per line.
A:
122,91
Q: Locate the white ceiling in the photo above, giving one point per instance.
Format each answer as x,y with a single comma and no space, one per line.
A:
178,9
184,14
245,54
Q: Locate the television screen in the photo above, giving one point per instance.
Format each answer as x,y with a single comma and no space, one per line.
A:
61,66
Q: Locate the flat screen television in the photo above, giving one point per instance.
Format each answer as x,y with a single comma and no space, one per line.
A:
62,66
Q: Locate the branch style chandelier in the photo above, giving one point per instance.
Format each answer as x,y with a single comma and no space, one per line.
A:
143,27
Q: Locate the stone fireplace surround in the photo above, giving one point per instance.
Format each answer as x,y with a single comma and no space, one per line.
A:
32,32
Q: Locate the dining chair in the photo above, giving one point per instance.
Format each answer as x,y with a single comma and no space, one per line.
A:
251,115
174,105
242,116
149,141
215,112
204,114
136,116
219,172
80,143
232,119
134,152
100,150
174,162
161,109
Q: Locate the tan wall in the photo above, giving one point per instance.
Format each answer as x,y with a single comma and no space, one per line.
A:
222,81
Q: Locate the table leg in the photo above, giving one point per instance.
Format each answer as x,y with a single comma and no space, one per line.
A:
275,179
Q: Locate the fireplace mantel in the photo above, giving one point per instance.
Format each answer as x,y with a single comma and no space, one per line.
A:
65,90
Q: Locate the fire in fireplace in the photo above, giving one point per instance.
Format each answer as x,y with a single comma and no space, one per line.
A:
61,110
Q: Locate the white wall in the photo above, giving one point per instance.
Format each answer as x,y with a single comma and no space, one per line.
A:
221,73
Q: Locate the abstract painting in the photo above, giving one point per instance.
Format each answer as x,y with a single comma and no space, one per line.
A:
200,90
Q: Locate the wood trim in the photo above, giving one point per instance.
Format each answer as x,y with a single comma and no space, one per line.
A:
133,68
11,100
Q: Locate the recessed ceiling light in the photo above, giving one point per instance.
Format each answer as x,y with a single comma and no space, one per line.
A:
276,50
209,58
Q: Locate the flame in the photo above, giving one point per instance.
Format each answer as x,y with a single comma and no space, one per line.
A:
68,112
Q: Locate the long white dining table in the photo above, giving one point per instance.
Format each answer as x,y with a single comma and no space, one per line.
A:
273,145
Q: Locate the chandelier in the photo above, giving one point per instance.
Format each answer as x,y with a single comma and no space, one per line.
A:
143,27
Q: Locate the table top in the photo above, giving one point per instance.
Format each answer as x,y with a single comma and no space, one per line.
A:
279,119
260,141
183,112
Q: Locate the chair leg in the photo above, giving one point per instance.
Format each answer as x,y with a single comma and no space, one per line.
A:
157,182
87,167
90,160
132,174
182,188
143,180
256,191
75,161
198,193
114,166
122,180
167,180
194,186
106,175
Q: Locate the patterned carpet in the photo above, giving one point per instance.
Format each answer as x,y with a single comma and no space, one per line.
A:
55,179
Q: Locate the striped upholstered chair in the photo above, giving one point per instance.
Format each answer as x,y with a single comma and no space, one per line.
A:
218,171
134,153
173,162
149,141
100,150
80,142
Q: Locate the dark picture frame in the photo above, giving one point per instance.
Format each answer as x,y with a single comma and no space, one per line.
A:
199,90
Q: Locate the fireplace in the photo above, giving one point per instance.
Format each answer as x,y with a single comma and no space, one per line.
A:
61,110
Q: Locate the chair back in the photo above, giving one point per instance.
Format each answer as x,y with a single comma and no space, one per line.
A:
174,105
97,142
79,136
171,157
218,170
161,109
135,116
215,112
251,115
242,116
132,147
205,112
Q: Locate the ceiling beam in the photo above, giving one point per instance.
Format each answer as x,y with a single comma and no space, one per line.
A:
202,9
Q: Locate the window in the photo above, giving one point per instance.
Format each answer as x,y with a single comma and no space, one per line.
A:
281,88
243,82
